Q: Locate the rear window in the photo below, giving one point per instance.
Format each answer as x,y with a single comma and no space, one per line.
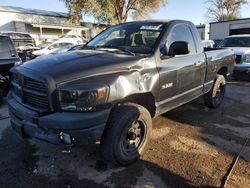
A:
5,51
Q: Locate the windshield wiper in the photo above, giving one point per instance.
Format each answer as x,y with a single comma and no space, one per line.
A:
110,48
126,50
117,48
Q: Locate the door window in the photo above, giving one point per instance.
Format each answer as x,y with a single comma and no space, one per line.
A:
11,47
182,33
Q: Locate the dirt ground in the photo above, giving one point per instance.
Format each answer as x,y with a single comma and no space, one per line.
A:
191,146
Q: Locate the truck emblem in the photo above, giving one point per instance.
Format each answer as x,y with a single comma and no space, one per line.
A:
168,85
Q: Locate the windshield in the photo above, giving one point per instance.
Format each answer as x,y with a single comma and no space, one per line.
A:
235,42
133,37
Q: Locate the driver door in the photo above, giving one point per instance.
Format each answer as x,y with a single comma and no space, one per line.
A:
181,76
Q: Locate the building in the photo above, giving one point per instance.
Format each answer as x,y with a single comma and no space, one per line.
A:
42,24
220,30
203,30
94,28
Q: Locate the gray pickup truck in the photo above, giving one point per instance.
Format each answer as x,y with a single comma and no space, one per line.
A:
110,90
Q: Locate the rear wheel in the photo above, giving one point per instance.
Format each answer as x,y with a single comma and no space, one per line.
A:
215,96
126,135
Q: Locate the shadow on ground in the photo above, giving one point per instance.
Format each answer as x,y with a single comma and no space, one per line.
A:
226,127
37,164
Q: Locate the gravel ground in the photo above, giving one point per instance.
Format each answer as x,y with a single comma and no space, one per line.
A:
191,146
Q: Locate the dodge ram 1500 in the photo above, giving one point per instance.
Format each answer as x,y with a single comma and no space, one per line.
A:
110,90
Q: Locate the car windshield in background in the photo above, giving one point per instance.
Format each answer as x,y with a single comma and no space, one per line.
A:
134,37
43,45
235,42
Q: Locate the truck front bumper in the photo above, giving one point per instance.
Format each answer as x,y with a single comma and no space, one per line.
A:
242,71
65,128
242,67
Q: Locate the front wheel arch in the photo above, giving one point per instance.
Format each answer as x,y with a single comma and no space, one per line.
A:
215,96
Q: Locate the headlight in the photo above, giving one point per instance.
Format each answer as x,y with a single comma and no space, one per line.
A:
246,58
82,99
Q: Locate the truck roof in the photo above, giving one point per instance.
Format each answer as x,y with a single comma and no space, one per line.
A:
243,35
163,21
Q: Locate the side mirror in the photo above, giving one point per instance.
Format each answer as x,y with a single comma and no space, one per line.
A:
179,48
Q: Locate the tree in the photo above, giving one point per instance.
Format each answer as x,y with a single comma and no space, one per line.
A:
112,11
222,10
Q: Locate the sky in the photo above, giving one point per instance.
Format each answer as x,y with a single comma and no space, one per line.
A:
192,10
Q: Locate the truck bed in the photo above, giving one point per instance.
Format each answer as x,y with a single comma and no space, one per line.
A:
217,58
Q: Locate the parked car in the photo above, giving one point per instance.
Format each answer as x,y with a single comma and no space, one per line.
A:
208,43
21,41
8,59
75,39
19,38
110,90
67,49
50,49
30,49
241,45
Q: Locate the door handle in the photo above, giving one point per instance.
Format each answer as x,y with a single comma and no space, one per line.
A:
198,63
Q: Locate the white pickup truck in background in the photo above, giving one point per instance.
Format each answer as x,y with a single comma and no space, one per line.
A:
241,45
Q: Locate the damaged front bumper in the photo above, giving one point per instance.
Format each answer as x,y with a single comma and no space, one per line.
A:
66,128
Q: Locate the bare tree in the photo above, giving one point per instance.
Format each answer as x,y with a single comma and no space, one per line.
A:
112,11
222,10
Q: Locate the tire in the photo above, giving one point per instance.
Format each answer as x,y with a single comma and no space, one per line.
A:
215,96
126,134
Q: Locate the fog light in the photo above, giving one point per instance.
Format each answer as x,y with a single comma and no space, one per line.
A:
66,138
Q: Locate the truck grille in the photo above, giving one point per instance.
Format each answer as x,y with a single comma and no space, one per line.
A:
36,100
34,85
238,59
31,92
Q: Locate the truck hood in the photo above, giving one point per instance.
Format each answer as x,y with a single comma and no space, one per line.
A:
240,50
79,64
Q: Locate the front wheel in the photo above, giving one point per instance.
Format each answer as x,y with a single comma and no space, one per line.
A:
215,96
126,134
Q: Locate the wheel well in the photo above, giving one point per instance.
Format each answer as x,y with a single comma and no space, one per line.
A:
223,71
144,99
